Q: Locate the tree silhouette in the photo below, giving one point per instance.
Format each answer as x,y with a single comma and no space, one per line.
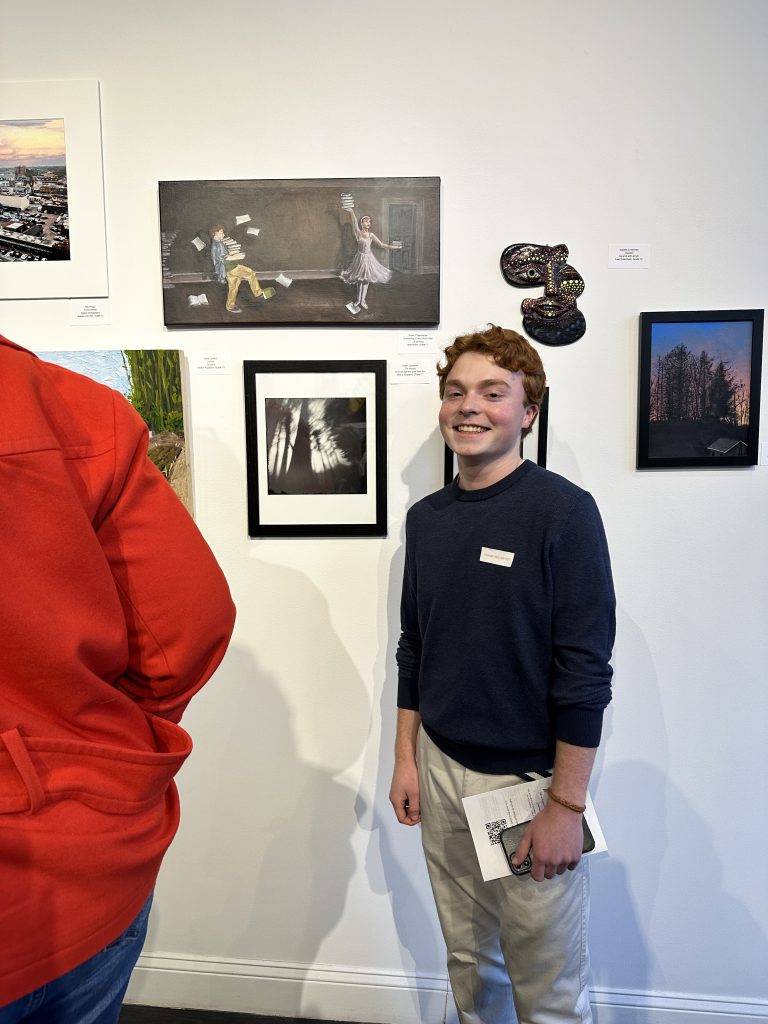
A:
687,387
722,391
316,445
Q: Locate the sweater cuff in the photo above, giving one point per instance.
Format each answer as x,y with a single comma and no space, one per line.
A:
408,693
579,726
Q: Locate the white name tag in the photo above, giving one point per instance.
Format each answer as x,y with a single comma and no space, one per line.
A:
497,557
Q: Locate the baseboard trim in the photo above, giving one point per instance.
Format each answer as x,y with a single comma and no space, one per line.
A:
614,1006
275,988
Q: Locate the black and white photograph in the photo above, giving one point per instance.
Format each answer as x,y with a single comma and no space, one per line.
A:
316,448
316,445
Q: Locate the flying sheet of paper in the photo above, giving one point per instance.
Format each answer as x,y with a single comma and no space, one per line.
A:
489,813
198,243
198,300
252,231
286,282
242,219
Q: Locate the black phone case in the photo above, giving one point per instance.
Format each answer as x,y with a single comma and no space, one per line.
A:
510,839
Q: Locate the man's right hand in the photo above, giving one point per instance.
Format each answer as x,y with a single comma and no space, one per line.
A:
404,792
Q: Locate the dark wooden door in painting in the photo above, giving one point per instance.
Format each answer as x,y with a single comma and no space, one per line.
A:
402,227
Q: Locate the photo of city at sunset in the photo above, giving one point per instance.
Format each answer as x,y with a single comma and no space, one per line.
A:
34,211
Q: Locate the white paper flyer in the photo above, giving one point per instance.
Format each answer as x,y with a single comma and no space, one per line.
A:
488,814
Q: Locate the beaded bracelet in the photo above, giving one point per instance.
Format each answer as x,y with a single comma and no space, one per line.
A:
565,803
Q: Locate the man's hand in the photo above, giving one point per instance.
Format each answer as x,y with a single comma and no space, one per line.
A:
555,839
404,793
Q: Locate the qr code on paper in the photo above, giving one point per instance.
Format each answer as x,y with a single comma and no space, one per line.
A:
494,829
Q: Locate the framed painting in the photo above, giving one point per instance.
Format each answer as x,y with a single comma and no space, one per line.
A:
52,242
341,251
699,389
532,447
151,381
316,448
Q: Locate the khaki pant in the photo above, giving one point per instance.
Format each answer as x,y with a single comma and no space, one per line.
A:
513,944
235,278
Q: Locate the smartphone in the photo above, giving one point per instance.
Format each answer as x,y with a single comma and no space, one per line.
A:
510,839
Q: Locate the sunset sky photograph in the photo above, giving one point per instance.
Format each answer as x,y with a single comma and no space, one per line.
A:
37,143
726,340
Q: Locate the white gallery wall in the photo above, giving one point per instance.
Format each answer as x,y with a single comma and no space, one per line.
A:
290,888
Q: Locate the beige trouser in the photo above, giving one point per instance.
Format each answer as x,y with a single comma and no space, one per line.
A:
512,943
235,278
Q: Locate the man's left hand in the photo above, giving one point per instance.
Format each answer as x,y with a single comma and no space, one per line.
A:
555,839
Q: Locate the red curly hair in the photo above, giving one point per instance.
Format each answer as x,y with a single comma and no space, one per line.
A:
508,349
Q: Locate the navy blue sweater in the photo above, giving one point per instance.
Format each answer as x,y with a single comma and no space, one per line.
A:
501,660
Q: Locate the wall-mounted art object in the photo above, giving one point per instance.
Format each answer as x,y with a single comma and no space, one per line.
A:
699,389
301,251
532,447
151,381
552,318
52,242
316,448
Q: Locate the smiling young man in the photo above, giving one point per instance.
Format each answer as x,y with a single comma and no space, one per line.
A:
507,630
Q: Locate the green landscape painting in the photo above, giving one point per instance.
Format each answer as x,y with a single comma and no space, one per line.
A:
151,381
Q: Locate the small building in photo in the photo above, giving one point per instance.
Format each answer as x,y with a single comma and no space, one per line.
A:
727,446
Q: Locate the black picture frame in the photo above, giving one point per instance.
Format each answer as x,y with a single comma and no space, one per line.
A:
316,442
699,389
532,447
278,252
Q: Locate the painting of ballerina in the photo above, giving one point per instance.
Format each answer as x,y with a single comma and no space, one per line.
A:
342,251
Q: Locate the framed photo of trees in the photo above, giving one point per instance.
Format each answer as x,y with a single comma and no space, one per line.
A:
699,389
316,448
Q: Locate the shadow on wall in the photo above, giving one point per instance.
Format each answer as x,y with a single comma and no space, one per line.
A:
272,839
618,945
261,867
273,855
394,860
642,861
304,858
660,906
297,736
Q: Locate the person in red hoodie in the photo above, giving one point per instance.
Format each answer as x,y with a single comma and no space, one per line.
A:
113,614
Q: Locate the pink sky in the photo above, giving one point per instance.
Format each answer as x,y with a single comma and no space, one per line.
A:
33,143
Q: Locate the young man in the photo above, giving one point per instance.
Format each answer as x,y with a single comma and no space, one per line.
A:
507,631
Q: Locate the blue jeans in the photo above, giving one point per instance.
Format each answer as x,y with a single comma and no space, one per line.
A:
89,994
